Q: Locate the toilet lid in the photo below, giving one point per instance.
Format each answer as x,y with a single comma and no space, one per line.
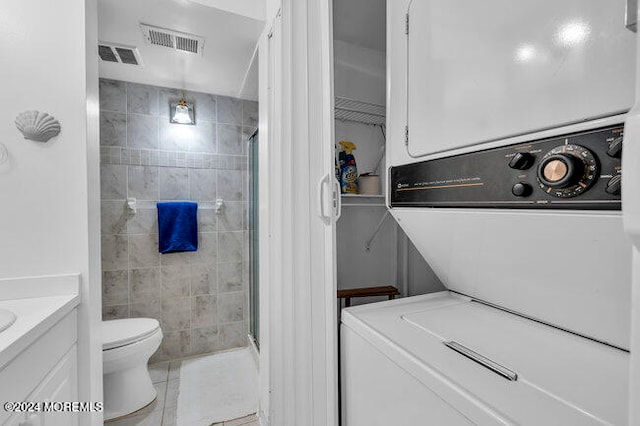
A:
116,333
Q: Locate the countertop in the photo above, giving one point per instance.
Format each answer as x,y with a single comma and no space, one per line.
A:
39,303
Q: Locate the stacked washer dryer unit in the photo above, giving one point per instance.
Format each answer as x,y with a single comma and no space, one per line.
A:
506,125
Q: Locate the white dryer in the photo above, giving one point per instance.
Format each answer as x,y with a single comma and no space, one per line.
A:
505,131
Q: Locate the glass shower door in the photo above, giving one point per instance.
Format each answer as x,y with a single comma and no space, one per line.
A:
254,294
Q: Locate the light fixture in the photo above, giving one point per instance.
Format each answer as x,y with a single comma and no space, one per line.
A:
182,112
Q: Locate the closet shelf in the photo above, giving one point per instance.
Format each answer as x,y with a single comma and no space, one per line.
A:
362,200
359,112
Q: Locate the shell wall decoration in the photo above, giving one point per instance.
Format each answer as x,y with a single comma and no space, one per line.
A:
37,126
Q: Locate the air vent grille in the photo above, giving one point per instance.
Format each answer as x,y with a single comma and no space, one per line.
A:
106,54
127,56
160,39
172,39
112,52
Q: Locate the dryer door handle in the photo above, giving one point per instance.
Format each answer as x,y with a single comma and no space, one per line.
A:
482,360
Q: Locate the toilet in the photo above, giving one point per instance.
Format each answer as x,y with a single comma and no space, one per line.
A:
127,345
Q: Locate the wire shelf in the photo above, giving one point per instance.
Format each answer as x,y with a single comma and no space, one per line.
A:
359,112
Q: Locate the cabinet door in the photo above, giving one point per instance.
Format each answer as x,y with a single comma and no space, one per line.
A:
61,385
479,71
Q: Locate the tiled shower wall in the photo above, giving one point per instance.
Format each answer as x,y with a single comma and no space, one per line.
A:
200,298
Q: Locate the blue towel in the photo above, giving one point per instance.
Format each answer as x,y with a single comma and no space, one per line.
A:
178,227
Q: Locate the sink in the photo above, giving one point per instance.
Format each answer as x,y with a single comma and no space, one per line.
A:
6,319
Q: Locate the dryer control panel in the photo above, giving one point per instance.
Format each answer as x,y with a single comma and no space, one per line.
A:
575,171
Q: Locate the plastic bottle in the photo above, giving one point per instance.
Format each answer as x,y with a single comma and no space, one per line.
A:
349,171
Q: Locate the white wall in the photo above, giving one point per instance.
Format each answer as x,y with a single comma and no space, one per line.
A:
44,219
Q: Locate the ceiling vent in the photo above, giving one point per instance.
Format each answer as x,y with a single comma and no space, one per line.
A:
110,52
172,39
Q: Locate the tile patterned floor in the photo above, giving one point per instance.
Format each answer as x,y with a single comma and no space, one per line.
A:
162,412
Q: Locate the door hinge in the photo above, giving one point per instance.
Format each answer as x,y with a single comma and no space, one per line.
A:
406,24
406,135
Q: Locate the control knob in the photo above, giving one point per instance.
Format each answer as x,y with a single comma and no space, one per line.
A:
614,186
567,171
615,148
522,161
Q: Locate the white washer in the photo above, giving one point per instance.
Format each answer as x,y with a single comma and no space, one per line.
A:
402,367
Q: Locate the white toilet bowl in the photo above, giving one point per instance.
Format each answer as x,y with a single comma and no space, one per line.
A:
127,346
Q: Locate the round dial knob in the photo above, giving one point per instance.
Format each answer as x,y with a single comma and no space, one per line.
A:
567,171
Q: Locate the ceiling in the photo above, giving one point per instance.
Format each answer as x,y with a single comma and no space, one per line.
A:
229,27
361,22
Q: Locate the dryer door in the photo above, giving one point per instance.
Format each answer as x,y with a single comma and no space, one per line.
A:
481,71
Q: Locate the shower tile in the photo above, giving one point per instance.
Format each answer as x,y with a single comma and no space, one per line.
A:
113,182
232,217
184,258
203,310
204,279
144,285
143,182
144,221
143,250
245,216
231,307
230,139
176,281
174,183
115,252
115,312
232,335
204,340
230,185
113,217
245,186
204,106
203,138
229,277
245,246
147,309
230,247
202,184
115,288
250,114
207,220
113,129
247,132
142,131
142,99
207,248
176,344
174,137
229,110
176,313
113,95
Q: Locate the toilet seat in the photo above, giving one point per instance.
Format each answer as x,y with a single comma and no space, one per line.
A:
118,333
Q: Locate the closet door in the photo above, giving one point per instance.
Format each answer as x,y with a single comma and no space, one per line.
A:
478,71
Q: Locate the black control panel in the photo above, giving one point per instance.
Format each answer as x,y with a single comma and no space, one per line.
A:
575,171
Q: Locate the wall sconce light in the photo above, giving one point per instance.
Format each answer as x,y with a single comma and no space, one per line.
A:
182,112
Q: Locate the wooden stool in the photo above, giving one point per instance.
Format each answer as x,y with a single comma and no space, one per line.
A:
347,294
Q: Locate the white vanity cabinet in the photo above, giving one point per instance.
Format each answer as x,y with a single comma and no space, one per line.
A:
38,360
